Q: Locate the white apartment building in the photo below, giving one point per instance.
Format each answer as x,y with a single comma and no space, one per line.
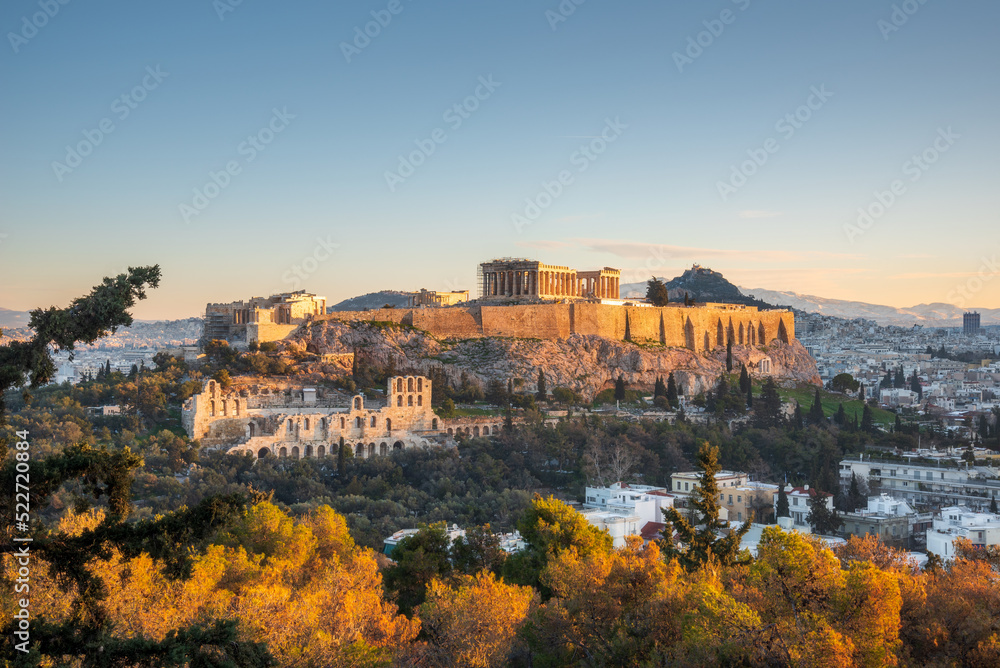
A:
953,522
798,505
624,509
945,483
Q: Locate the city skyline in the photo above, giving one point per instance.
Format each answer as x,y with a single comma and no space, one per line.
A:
843,151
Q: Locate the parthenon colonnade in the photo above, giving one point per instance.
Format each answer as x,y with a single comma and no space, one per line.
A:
506,279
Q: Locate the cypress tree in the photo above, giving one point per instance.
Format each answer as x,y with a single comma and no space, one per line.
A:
541,394
867,421
797,416
671,392
744,378
841,416
816,415
861,392
341,457
782,508
749,396
854,497
659,389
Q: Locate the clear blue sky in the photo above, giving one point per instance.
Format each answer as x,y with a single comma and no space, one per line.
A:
649,203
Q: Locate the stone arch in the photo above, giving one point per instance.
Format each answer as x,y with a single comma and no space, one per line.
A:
343,423
307,424
782,331
295,452
357,403
253,428
359,451
486,430
398,445
740,339
720,334
373,421
496,428
762,335
420,384
283,452
236,407
371,449
309,451
383,449
399,384
263,452
211,408
689,334
451,432
434,423
420,400
475,431
223,406
399,401
321,451
357,422
409,384
409,400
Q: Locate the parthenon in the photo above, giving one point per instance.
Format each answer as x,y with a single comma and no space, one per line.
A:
508,279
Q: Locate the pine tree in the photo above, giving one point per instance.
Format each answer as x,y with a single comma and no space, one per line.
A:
656,292
540,395
671,392
620,388
816,415
699,541
768,412
820,517
782,508
729,356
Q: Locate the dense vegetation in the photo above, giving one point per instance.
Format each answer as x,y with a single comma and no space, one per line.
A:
150,551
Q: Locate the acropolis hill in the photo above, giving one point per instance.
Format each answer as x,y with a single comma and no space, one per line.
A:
531,315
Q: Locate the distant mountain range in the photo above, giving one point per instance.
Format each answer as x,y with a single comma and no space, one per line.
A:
705,285
10,318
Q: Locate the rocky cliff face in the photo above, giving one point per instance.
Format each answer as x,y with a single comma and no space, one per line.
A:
585,364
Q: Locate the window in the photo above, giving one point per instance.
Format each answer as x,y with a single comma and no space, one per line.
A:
739,517
678,485
357,422
373,420
307,424
795,501
739,499
409,400
388,424
685,487
730,499
420,400
420,384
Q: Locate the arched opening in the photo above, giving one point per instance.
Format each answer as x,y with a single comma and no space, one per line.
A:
373,420
383,449
309,451
486,430
409,384
420,400
307,424
475,431
295,452
253,429
360,451
388,424
720,336
689,335
399,400
357,422
409,400
236,407
321,451
357,403
371,449
450,431
762,335
283,452
263,452
467,431
343,423
399,384
434,423
782,332
223,412
496,428
398,445
211,408
420,384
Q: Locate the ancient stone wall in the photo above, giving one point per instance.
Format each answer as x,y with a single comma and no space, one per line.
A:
698,328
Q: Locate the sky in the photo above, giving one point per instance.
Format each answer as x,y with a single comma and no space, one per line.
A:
846,150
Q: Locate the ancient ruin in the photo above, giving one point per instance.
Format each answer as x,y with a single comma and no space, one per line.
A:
519,279
261,319
309,422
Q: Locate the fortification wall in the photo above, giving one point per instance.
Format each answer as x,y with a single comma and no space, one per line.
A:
697,328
